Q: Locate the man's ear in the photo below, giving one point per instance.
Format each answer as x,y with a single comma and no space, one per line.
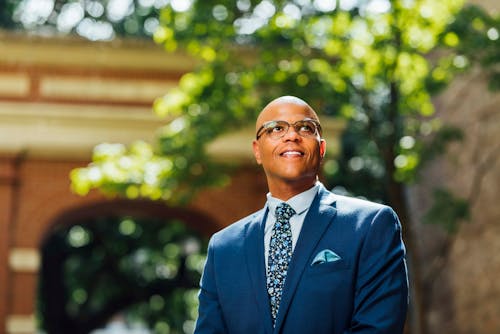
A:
256,151
322,148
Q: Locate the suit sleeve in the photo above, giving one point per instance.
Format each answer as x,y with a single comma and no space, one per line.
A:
210,319
381,296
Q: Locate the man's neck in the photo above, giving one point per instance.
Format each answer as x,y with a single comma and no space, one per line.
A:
285,191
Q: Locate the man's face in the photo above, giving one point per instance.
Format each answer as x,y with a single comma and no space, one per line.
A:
291,159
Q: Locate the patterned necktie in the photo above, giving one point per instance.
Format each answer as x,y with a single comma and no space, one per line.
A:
280,253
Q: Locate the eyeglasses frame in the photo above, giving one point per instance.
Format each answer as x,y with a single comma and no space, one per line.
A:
258,135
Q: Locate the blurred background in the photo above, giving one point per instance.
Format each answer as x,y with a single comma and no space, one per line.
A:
125,142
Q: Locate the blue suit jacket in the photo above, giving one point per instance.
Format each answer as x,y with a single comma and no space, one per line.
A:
365,291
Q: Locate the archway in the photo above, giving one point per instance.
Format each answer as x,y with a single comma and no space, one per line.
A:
137,259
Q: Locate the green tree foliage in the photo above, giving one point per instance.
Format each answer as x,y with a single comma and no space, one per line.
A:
478,40
375,63
447,210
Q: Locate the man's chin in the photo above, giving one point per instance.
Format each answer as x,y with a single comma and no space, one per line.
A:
299,179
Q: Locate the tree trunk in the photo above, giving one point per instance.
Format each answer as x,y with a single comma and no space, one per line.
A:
416,323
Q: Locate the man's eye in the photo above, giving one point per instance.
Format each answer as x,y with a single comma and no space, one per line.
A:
306,128
276,128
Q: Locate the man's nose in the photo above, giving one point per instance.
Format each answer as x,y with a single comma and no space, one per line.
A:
291,134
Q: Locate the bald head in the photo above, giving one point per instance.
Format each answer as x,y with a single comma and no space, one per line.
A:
289,99
269,110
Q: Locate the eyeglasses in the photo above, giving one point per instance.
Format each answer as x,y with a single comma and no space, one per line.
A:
306,128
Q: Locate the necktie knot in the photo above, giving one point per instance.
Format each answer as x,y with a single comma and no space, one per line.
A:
284,211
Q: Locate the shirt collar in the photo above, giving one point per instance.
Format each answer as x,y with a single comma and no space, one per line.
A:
300,202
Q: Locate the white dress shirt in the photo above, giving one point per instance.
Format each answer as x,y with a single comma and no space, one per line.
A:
300,203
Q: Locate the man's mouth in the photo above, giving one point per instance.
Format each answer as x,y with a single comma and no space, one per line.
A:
292,153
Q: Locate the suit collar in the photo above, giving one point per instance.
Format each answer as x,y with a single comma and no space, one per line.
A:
316,222
300,202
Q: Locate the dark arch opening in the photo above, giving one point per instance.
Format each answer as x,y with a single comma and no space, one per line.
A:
138,258
137,208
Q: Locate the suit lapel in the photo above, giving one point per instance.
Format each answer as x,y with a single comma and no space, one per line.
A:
317,220
254,254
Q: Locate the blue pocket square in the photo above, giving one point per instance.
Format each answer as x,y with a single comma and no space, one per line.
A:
325,256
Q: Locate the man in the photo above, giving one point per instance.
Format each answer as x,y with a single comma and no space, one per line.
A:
320,263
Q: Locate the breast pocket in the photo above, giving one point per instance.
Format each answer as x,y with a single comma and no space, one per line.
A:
327,281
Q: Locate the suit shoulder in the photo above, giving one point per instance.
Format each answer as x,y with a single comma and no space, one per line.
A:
236,229
364,209
348,203
355,203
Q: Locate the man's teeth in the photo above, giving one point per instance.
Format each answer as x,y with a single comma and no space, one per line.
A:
290,153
